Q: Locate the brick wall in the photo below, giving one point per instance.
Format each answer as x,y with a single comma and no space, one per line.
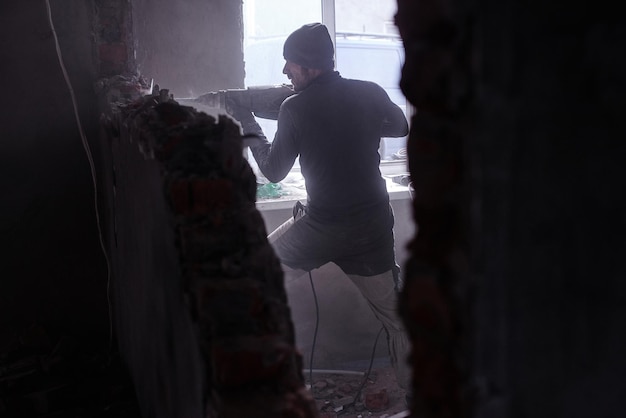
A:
194,272
114,37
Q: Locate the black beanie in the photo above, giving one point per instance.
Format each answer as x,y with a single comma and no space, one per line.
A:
311,47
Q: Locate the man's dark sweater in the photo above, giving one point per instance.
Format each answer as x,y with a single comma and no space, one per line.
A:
335,125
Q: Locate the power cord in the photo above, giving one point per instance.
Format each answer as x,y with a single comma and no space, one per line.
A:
298,209
317,322
411,190
369,369
91,164
317,319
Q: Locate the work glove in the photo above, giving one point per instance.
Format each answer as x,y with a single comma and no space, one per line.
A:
251,129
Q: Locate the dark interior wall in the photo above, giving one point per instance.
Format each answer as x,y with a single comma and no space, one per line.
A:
529,98
190,47
52,266
51,257
551,172
548,208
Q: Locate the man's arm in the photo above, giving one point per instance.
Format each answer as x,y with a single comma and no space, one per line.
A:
395,123
274,159
249,125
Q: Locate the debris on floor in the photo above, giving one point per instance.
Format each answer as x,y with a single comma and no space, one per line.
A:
347,394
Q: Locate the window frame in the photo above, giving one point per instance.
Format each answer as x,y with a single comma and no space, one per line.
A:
328,18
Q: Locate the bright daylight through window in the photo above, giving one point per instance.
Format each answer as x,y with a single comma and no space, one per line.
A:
367,46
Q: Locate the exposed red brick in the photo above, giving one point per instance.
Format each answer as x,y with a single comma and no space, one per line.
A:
377,401
179,196
254,360
113,54
230,275
211,195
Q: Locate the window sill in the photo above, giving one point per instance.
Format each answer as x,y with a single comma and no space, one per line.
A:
294,191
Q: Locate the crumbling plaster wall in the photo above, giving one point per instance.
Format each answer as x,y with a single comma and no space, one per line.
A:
152,327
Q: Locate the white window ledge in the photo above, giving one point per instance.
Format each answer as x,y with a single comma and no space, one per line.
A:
293,189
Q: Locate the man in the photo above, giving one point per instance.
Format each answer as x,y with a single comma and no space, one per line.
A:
335,125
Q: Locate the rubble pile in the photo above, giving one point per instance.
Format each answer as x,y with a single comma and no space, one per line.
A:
353,395
232,281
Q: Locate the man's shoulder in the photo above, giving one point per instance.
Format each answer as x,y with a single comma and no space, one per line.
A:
292,101
359,84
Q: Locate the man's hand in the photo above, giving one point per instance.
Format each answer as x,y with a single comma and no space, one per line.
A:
237,111
245,117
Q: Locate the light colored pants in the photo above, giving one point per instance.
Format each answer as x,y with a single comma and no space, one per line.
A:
275,234
382,297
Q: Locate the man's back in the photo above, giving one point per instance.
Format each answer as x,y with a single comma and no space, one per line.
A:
335,125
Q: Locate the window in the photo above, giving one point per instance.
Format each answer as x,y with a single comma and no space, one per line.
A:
367,47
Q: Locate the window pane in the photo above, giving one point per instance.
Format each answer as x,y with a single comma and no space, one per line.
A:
266,18
369,48
267,23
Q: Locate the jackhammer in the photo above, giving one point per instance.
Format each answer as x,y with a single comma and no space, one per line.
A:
263,101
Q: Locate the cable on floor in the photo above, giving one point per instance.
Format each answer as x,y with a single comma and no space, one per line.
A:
317,321
369,369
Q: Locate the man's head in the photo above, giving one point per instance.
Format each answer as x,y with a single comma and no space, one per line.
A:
308,52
